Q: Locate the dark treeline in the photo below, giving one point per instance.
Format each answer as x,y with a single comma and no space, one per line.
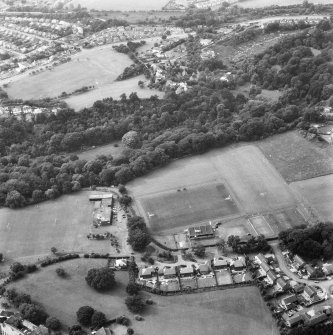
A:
35,165
312,242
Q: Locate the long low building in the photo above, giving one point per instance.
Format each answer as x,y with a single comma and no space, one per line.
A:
200,232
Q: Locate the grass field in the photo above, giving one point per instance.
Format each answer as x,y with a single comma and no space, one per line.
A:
238,311
62,223
98,67
181,208
112,89
295,157
253,183
109,149
63,297
319,193
266,3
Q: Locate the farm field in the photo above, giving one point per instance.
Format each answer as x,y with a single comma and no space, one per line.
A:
253,183
62,223
178,208
295,157
319,193
109,149
112,89
267,3
240,311
63,297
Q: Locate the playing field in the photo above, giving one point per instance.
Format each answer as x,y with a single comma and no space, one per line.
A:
261,226
62,223
180,207
98,67
319,194
251,181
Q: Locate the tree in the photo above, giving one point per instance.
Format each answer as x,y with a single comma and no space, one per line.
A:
17,267
84,315
100,279
15,199
125,200
53,250
132,289
76,330
135,304
1,257
138,239
61,272
199,251
53,323
131,139
33,313
221,244
98,319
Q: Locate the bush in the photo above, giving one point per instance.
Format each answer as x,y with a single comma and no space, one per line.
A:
53,323
31,268
132,289
33,313
100,279
199,251
17,267
84,315
61,272
135,304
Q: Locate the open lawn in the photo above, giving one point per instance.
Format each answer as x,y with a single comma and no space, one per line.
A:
114,90
319,193
98,67
182,207
62,223
252,182
239,311
109,149
295,157
62,297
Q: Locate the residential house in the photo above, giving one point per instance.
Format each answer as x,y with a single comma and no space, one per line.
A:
328,269
299,262
265,267
296,287
282,284
309,292
271,277
169,272
239,264
204,269
146,273
309,269
260,258
288,301
102,331
186,272
312,318
121,263
220,264
293,320
9,327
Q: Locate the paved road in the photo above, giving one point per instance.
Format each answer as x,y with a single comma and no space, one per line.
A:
324,285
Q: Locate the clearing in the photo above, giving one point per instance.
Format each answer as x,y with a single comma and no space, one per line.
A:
108,149
99,67
63,223
252,183
319,193
112,89
295,157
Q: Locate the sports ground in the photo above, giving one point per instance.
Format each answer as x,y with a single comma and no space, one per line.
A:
218,185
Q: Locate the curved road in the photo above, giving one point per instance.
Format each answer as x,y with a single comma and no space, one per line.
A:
324,285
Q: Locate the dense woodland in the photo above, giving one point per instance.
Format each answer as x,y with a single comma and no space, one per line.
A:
36,164
309,242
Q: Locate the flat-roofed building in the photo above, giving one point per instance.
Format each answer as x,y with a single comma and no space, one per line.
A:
200,232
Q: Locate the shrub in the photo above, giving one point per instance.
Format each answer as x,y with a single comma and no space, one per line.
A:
53,323
61,272
84,315
135,304
98,319
132,289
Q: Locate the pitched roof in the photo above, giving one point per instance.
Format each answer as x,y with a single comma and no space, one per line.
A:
328,268
146,271
186,270
289,299
292,320
271,275
239,263
261,258
309,269
200,231
281,282
265,266
310,290
204,268
170,271
299,260
220,262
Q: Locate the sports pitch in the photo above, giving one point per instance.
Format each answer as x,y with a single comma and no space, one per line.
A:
179,207
241,172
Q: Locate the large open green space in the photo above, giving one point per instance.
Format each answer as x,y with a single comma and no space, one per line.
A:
240,311
252,183
183,207
62,223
